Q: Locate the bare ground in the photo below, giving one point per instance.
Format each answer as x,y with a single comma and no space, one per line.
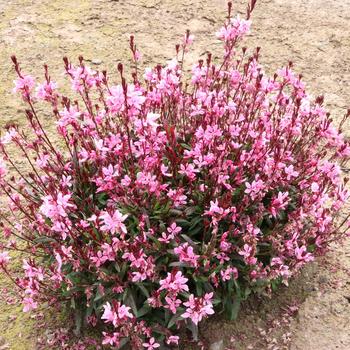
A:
314,34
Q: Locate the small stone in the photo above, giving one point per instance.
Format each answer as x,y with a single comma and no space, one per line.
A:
96,61
219,345
323,279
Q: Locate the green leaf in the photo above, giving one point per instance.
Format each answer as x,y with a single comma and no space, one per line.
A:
185,146
232,307
129,300
182,222
44,239
178,264
143,289
193,328
199,288
189,240
175,318
175,212
143,311
123,343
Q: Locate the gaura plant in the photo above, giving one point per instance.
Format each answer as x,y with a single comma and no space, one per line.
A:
169,201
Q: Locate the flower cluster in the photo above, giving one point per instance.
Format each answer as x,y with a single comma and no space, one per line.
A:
158,203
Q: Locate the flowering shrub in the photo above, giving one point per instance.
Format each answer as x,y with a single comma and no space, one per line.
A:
166,201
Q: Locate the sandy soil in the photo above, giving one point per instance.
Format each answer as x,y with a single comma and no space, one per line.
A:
314,34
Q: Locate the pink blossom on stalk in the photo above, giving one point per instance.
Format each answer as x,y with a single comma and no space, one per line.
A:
135,97
315,187
46,90
198,307
291,173
302,255
165,170
116,313
173,339
116,100
42,160
82,76
151,120
29,304
236,28
178,197
99,259
137,56
246,251
188,39
113,223
254,188
4,259
24,84
67,117
188,170
151,345
173,230
216,210
229,273
111,339
279,203
186,254
54,208
3,169
174,282
172,303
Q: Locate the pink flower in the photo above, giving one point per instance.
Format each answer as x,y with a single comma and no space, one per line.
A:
137,56
246,251
24,84
99,259
315,187
197,308
178,197
56,208
3,169
46,90
254,188
215,210
29,304
135,97
111,339
229,273
172,303
173,339
151,345
113,223
116,314
278,203
174,282
116,100
165,170
291,173
235,29
186,254
151,120
188,39
4,258
188,170
173,230
302,255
